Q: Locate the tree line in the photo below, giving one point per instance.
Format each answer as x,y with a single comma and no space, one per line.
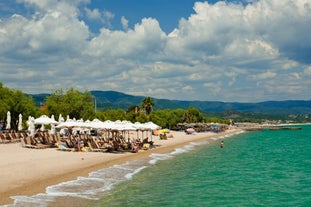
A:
79,105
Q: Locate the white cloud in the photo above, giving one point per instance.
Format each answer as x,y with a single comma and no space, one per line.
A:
307,70
265,75
223,51
140,43
93,14
108,14
125,23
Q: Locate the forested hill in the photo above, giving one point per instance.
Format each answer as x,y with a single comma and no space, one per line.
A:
115,100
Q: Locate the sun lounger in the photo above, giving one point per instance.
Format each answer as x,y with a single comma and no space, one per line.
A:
3,139
13,137
55,138
25,144
38,144
63,147
28,142
93,147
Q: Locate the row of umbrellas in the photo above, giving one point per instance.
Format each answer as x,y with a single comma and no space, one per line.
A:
109,125
73,123
95,124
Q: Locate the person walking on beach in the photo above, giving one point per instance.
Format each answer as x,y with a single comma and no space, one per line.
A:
222,144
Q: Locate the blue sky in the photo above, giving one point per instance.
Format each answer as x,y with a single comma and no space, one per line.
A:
245,51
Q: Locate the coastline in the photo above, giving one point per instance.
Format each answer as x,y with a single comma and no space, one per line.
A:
29,171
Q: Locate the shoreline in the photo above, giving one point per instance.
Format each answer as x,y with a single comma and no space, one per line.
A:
29,171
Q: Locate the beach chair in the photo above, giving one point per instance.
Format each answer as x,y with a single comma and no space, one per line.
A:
93,147
7,136
52,139
13,137
3,139
42,138
25,143
63,147
28,142
38,144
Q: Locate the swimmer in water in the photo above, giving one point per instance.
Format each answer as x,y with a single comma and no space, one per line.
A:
222,144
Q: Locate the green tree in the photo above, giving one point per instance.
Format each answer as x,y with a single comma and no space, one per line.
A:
134,109
176,116
17,103
131,116
142,118
74,103
147,104
193,115
113,114
161,117
22,105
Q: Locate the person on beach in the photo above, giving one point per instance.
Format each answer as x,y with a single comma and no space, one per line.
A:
222,144
135,147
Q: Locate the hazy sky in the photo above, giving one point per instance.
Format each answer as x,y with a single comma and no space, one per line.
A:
245,51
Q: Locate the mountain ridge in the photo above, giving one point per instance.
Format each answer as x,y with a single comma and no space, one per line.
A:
118,100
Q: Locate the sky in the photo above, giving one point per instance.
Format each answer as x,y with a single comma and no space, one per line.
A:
231,51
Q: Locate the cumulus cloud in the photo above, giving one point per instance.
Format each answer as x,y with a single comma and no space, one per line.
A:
248,51
307,70
264,75
138,44
93,14
125,23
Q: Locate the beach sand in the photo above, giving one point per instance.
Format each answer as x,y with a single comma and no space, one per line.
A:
25,171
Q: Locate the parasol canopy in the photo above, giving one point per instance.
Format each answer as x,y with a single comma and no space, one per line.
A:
8,120
20,122
45,120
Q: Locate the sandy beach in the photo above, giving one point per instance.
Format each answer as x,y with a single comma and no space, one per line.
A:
25,171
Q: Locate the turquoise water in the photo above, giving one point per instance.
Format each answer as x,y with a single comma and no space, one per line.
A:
265,168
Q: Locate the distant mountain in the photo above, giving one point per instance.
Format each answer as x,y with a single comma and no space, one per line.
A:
118,100
115,100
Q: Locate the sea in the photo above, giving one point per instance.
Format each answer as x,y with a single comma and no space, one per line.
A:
255,168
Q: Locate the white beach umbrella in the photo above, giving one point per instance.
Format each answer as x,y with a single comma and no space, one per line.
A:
117,125
31,127
44,120
8,120
140,126
95,124
52,131
69,123
122,125
52,117
60,118
20,122
151,125
128,126
108,124
42,128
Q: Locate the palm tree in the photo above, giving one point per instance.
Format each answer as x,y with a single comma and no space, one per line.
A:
147,104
